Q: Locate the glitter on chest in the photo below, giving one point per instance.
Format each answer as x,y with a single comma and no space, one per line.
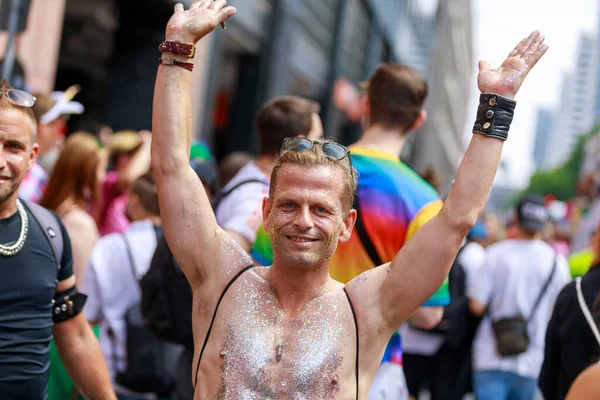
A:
311,359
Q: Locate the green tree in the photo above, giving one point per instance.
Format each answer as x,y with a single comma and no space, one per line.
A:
561,181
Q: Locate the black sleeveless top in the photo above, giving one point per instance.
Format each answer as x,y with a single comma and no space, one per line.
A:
217,308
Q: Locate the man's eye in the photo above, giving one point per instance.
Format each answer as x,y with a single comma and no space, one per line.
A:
288,206
14,146
321,210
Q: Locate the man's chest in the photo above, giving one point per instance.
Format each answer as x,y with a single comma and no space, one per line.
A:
28,277
262,352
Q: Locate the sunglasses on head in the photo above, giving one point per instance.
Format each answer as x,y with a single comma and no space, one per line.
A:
332,150
18,97
299,145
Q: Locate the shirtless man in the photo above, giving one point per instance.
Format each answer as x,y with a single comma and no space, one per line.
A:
290,331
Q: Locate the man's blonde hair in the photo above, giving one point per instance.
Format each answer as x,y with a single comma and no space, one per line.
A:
316,158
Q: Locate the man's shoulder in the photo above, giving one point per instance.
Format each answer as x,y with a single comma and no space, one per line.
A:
380,170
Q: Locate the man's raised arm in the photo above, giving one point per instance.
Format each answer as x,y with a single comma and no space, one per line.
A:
424,261
188,221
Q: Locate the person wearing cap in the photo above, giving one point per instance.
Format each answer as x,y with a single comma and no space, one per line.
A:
51,113
520,277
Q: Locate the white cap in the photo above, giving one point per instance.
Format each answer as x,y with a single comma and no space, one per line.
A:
63,105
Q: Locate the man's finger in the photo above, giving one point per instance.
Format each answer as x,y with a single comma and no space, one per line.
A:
533,47
484,66
537,54
217,5
178,7
517,48
203,4
520,49
224,14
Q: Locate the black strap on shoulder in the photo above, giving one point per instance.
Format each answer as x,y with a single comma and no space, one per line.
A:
130,257
357,343
213,319
363,236
222,194
48,221
544,289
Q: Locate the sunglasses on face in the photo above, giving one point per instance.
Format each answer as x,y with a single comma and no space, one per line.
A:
18,97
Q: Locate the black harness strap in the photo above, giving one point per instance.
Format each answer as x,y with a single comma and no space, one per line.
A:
357,344
364,236
213,319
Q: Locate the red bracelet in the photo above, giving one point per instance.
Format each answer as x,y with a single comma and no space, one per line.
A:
173,61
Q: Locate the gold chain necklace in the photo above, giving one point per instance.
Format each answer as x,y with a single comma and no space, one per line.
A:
279,347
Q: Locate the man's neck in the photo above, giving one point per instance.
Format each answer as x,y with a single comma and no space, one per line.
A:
266,164
385,140
295,287
9,207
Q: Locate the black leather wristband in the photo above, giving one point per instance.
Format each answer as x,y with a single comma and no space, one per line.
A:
67,305
494,115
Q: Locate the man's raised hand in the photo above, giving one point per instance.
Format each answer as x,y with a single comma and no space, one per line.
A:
507,79
202,18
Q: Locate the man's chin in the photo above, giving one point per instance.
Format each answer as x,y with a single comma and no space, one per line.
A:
6,194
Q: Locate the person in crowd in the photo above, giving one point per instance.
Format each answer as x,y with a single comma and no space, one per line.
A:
73,192
392,200
238,203
117,263
439,359
39,298
494,227
52,113
231,164
581,261
515,290
290,330
571,345
129,159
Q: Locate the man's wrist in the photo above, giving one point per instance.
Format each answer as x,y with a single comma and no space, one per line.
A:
494,115
180,36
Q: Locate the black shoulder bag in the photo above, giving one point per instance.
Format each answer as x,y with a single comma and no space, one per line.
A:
511,333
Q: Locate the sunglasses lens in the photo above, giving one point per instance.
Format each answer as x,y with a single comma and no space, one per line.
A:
334,150
21,98
298,144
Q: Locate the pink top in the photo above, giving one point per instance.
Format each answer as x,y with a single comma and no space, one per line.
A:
112,210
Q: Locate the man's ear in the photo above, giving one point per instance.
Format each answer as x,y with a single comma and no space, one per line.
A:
266,209
33,155
419,121
348,222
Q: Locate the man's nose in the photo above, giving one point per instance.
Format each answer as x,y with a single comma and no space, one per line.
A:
304,219
3,158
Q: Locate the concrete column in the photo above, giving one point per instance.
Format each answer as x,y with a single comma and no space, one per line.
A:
39,45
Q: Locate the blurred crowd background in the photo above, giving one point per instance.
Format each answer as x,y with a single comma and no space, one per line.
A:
92,65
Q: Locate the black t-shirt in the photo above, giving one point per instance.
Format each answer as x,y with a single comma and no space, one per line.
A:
570,343
27,285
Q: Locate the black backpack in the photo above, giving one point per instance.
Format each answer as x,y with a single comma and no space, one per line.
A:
151,362
166,293
167,298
